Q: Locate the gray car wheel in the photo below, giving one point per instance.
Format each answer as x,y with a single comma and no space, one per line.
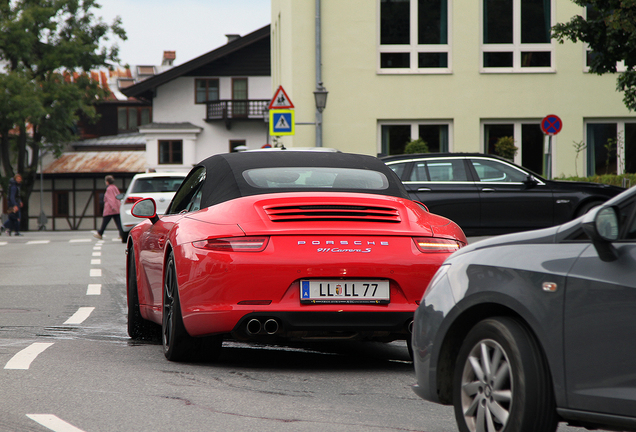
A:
501,381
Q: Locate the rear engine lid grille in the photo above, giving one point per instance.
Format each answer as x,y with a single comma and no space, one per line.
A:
332,212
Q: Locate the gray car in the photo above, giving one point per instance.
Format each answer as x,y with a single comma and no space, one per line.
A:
526,330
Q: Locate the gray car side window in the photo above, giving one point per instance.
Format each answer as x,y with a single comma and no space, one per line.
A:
627,216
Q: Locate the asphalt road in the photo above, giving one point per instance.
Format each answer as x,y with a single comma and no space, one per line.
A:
69,366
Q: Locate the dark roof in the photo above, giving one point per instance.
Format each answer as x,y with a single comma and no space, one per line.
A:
130,141
172,126
409,156
225,180
248,55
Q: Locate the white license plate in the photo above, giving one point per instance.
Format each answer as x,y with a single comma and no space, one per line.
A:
344,291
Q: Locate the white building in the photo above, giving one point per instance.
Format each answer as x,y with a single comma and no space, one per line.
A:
209,105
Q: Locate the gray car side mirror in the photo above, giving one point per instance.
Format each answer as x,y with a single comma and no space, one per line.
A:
602,226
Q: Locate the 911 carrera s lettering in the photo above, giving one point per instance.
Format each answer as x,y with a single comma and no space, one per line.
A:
338,250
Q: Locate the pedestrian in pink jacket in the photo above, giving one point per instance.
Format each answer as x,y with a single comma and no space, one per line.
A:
111,207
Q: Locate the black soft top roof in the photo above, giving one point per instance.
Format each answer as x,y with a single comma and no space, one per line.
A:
225,181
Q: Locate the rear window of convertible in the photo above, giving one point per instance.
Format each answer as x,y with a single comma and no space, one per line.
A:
315,177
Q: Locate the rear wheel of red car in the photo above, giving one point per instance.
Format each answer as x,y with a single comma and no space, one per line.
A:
501,381
138,327
178,345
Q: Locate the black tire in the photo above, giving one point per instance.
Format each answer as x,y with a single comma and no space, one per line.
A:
409,346
587,207
178,345
518,396
138,327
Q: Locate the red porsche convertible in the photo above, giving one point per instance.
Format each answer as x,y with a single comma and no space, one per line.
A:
283,245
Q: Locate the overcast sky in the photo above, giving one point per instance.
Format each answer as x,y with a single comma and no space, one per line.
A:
189,27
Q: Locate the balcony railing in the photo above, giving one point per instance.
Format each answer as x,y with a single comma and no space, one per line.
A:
227,110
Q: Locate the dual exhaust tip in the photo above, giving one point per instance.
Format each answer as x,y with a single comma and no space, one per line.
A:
254,326
271,326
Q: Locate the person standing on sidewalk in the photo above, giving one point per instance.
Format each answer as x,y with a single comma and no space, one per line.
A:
15,206
111,207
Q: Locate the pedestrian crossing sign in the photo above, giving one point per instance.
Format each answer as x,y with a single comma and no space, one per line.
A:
281,122
280,100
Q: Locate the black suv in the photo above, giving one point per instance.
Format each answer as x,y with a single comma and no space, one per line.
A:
486,194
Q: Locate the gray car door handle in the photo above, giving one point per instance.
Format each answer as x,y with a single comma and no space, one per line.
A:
424,189
488,190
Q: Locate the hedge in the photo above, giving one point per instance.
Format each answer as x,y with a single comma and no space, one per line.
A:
610,179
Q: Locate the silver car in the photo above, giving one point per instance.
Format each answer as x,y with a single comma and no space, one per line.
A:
160,186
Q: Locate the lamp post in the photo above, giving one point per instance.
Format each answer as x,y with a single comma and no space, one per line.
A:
320,95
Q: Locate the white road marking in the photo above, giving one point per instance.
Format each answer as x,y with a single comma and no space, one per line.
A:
100,242
53,423
79,316
97,254
30,242
23,359
96,272
3,243
96,261
94,289
97,248
79,240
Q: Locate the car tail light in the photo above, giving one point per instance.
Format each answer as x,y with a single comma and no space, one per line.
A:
233,244
132,199
432,244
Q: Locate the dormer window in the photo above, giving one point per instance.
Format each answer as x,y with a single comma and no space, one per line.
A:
125,82
145,70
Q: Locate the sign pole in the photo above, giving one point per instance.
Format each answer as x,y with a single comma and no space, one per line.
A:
547,169
550,125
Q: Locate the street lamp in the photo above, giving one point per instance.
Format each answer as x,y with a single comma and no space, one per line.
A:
321,97
321,102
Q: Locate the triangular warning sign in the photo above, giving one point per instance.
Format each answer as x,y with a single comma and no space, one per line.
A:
282,123
281,100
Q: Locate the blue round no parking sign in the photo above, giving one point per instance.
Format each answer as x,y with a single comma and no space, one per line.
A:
551,124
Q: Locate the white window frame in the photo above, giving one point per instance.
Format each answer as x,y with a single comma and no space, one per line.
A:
414,48
516,46
620,136
415,129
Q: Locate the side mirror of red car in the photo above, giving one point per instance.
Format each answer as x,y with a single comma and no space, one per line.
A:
145,208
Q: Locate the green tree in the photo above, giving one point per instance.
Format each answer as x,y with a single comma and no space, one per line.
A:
610,32
47,50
